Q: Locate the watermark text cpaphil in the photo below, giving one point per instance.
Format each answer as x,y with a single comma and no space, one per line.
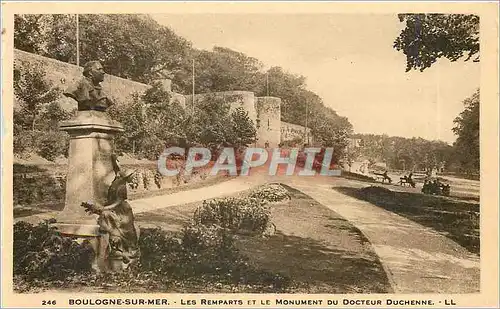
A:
302,162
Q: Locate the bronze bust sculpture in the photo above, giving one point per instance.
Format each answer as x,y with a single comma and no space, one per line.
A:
88,91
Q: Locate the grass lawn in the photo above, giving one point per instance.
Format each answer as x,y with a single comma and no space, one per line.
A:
315,247
455,218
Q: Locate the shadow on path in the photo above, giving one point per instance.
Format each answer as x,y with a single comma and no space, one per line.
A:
458,220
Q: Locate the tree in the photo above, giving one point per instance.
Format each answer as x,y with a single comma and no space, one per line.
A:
133,118
51,115
210,122
405,153
153,121
467,130
428,37
165,115
221,69
290,88
150,120
351,154
60,38
37,114
50,35
330,132
242,130
129,46
28,32
32,92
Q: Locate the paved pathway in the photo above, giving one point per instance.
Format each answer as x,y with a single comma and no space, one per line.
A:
417,259
229,187
225,188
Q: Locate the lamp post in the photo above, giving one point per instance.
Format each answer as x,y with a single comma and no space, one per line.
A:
77,40
267,83
192,106
305,129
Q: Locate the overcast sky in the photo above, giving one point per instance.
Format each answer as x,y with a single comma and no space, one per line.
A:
349,61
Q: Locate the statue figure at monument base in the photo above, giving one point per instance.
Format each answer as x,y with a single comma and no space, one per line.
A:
119,234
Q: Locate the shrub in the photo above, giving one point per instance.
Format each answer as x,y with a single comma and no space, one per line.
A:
47,144
203,252
271,193
38,189
52,144
150,147
23,144
160,252
296,141
198,238
237,214
41,253
204,256
197,250
209,250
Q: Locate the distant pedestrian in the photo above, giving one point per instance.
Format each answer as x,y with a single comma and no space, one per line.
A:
145,179
158,179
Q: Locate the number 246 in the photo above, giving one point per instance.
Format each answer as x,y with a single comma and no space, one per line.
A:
48,302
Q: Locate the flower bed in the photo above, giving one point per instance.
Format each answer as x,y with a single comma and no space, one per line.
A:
271,193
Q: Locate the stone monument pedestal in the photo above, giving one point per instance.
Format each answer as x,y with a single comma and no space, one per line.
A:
90,172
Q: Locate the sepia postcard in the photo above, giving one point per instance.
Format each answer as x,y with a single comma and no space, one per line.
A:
250,154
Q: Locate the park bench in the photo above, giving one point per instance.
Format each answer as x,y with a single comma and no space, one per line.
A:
407,180
383,177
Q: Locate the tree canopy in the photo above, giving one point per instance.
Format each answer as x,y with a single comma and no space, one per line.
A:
129,46
32,93
220,69
37,114
152,122
467,130
405,153
428,37
138,48
425,39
